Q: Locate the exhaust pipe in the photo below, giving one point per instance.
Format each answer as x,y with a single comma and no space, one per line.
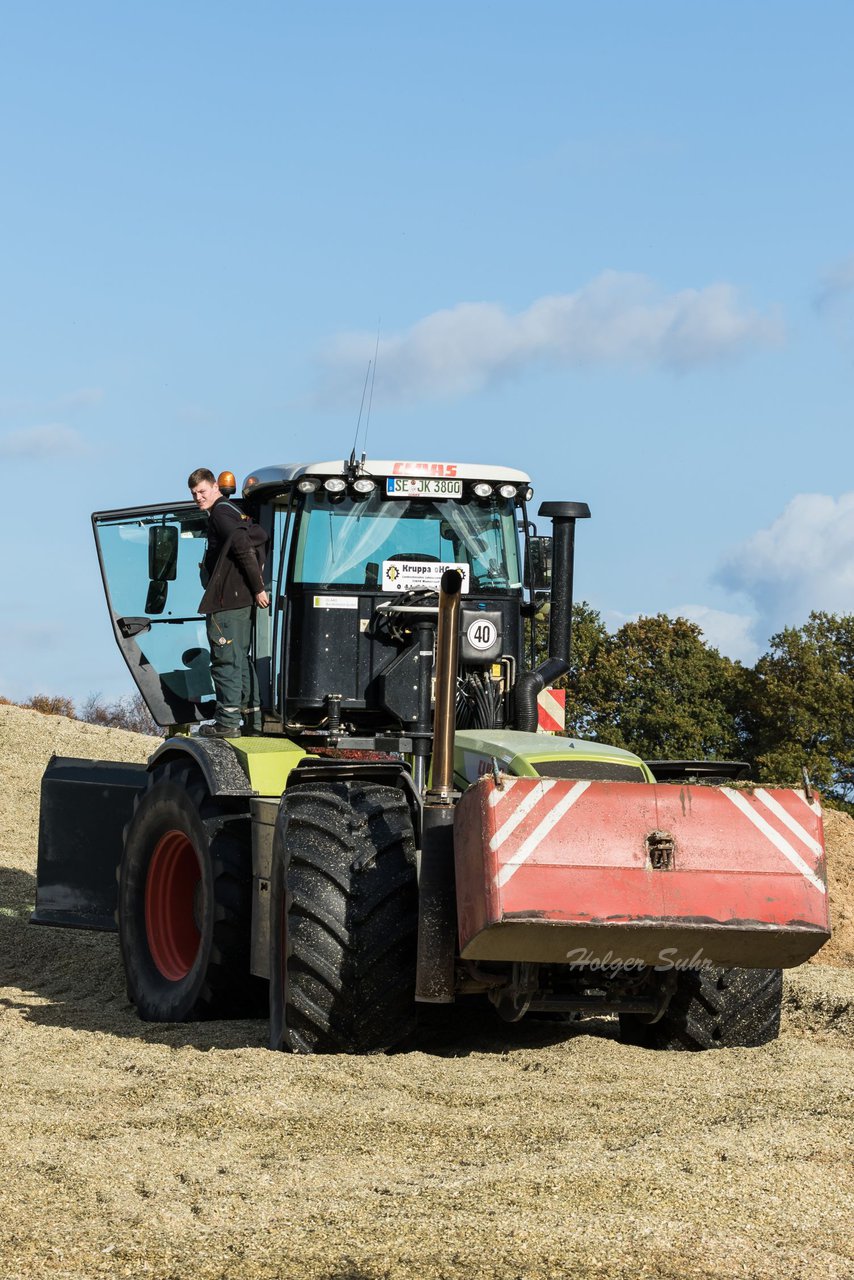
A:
437,894
531,683
447,654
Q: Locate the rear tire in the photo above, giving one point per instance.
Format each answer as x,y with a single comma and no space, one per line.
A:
714,1009
184,910
352,916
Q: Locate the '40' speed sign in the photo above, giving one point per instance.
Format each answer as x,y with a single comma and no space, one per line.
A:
481,634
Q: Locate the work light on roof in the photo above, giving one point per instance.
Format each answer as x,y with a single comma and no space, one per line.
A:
334,485
507,490
364,485
308,484
482,489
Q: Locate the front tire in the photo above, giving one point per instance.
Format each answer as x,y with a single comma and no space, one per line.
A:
184,908
349,951
714,1008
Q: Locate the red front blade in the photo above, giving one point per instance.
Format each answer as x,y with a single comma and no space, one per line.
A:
549,869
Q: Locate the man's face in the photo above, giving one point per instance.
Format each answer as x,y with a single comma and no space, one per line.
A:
205,494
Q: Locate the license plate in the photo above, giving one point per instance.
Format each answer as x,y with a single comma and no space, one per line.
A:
422,487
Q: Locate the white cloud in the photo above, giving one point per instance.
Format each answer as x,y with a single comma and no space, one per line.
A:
51,441
732,634
618,318
804,561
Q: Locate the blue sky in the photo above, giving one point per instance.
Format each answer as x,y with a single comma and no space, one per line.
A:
610,244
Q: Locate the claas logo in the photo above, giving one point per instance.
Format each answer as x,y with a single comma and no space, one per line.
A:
441,469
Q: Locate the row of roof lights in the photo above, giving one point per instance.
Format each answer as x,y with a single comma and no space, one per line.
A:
364,486
484,490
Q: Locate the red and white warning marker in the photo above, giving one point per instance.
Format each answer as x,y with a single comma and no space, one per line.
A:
551,711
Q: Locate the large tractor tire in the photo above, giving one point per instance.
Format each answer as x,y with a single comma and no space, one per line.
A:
184,910
347,857
714,1009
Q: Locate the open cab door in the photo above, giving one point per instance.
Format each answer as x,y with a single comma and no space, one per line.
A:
150,562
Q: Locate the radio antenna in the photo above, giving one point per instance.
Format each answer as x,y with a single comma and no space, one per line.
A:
371,396
359,420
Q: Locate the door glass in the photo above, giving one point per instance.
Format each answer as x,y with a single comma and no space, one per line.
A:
154,587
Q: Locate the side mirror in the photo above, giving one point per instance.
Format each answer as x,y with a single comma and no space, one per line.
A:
538,571
155,600
163,553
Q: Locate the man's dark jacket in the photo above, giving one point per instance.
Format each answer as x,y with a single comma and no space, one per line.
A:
234,560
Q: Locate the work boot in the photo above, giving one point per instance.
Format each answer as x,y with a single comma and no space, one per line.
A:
218,731
252,724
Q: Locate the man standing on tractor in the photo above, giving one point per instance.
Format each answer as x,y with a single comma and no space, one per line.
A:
232,574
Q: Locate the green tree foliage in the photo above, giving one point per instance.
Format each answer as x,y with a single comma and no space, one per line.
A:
800,706
657,689
589,639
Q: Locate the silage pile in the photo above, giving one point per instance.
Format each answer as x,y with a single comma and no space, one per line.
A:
491,1150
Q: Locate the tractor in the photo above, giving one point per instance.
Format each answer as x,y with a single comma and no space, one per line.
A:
400,834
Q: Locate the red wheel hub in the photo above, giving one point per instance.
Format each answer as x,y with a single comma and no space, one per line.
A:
173,879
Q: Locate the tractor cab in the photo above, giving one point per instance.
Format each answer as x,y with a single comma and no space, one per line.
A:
355,556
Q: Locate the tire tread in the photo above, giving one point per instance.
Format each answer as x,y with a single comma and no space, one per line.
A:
352,918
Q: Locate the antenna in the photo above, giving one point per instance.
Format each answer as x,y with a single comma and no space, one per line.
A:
371,396
359,420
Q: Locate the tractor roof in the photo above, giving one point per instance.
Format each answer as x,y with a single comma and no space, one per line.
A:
281,476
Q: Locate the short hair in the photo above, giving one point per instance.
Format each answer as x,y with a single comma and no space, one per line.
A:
200,474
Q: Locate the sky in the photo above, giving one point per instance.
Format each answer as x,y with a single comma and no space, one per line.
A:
611,245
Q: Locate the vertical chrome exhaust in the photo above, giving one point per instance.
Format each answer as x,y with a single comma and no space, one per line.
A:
531,683
447,654
437,898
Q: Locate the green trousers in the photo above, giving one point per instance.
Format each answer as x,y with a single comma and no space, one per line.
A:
232,670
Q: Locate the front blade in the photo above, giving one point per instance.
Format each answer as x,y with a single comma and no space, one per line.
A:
550,870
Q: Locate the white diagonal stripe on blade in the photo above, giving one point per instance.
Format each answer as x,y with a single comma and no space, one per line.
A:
780,842
519,814
813,805
788,821
539,833
496,795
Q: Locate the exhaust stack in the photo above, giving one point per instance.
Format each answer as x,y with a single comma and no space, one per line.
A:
531,683
437,904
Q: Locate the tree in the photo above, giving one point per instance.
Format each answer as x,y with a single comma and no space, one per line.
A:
129,712
655,688
800,710
50,704
589,635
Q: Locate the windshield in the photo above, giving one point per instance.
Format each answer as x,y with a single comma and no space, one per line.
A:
379,542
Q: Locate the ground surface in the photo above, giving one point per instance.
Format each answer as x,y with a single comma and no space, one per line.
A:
190,1151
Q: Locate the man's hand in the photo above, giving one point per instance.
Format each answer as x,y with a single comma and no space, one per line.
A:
262,599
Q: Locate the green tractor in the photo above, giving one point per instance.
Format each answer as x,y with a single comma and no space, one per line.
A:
400,833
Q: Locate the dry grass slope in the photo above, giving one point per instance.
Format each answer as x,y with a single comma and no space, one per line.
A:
169,1152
